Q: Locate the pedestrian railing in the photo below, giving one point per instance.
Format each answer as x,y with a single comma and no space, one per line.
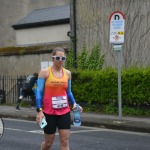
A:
10,88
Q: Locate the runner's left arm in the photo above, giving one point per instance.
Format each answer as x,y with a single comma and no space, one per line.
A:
69,93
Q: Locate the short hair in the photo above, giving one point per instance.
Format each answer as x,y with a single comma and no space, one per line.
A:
35,74
56,49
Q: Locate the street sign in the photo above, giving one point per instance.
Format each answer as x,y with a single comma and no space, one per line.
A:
117,23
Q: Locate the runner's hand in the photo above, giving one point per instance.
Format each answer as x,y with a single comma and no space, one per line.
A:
74,106
39,117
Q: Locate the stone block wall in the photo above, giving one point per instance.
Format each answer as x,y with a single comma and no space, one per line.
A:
93,28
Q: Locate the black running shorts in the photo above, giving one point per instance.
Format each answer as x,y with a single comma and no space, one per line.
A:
57,121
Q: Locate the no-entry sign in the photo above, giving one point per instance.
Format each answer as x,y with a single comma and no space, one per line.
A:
117,23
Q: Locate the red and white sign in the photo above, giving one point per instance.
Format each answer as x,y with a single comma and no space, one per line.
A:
117,23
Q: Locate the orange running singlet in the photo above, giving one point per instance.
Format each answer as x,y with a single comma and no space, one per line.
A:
55,101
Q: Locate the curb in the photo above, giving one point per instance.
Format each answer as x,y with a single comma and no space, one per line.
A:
116,126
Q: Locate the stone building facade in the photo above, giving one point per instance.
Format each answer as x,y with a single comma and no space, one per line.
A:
92,26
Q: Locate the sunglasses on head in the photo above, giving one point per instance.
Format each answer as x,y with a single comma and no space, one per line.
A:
59,57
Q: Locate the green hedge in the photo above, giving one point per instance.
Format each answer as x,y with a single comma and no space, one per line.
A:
101,87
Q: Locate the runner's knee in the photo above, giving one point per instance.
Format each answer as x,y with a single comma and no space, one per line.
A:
64,142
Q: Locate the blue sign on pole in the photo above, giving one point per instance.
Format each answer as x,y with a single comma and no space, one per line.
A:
117,23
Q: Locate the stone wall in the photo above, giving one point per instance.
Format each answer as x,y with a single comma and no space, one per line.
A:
16,64
93,28
22,64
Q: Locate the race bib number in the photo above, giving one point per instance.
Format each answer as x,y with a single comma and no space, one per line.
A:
59,102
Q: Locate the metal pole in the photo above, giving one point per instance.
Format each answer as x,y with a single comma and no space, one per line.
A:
119,86
74,34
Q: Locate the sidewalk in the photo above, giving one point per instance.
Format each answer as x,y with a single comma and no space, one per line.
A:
88,119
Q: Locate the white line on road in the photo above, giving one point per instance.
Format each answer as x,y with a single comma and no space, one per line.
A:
85,129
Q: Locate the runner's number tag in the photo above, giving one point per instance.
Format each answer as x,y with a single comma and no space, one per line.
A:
59,102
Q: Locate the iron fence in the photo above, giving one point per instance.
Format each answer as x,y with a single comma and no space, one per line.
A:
10,88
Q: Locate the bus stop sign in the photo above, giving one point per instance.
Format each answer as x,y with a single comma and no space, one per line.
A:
117,23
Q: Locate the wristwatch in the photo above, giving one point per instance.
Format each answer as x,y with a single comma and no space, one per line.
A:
39,109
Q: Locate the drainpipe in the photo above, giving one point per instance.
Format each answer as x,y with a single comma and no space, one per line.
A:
74,34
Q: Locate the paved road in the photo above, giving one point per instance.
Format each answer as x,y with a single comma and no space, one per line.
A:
26,135
138,124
